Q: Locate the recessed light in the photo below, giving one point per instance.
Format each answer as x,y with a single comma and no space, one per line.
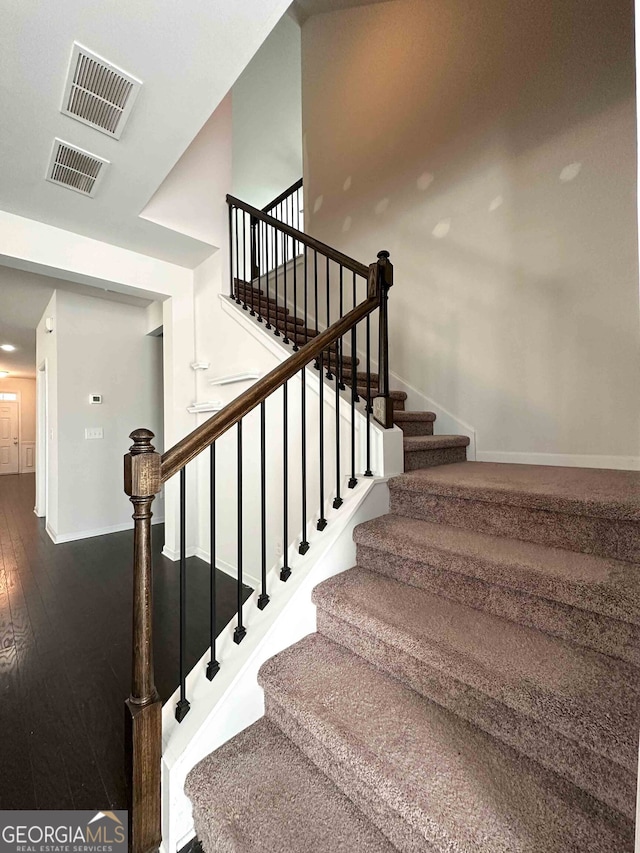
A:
4,374
7,347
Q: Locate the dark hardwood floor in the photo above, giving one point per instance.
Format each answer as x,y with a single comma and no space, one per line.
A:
65,652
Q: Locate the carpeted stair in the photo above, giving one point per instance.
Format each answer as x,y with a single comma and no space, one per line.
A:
421,448
473,685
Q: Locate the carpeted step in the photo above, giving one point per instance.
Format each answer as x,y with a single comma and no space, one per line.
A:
592,601
259,794
590,510
361,379
426,451
575,711
428,779
415,423
398,397
243,287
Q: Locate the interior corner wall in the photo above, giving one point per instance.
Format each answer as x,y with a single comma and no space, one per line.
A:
267,121
97,347
491,148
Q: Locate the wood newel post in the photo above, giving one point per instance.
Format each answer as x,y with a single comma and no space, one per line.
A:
143,711
383,404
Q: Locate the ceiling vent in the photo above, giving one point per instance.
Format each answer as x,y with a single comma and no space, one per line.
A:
97,93
75,169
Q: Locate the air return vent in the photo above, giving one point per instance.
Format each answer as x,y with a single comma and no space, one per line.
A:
75,169
97,93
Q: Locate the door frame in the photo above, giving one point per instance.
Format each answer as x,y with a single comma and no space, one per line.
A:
41,508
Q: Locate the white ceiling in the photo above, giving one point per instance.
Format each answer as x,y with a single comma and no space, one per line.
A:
23,298
187,54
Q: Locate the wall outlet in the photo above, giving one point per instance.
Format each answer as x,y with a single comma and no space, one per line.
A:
93,432
279,548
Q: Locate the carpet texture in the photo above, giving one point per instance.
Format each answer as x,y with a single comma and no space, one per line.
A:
473,685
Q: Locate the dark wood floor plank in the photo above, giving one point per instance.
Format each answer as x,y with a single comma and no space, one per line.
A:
65,653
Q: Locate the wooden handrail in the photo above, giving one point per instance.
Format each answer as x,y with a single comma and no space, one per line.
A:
193,444
301,237
282,196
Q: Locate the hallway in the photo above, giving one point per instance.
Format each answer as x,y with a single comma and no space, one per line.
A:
65,638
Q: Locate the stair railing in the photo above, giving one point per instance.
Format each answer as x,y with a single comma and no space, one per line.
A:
146,471
286,207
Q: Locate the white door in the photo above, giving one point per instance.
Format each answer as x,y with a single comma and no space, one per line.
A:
9,447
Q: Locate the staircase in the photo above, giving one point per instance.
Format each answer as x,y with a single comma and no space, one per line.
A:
473,685
422,449
473,682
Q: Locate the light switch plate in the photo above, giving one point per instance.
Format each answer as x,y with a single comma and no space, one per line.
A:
93,432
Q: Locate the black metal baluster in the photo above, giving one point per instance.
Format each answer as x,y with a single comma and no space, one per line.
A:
304,545
245,283
240,632
295,297
213,667
275,245
306,300
253,247
267,293
329,373
263,599
285,571
354,367
285,340
237,280
337,501
353,482
368,406
182,706
259,295
316,364
231,252
322,521
340,343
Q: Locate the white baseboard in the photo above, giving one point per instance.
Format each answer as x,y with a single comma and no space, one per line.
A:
228,569
59,538
202,554
568,460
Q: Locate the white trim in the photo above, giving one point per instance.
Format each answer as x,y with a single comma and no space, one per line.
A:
228,569
568,460
58,539
22,468
233,700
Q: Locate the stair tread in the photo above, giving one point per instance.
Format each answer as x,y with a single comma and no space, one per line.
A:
395,395
594,492
585,696
601,584
419,417
433,442
259,794
457,788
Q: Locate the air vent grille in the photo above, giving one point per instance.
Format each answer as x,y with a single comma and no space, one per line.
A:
76,169
97,93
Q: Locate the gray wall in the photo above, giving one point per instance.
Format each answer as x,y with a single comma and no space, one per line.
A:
97,347
491,147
